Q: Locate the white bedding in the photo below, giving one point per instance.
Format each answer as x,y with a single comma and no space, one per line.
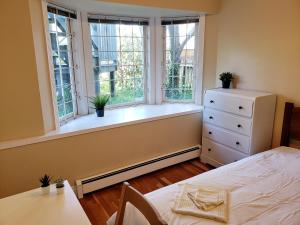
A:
263,189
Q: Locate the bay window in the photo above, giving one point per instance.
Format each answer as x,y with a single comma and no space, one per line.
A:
119,56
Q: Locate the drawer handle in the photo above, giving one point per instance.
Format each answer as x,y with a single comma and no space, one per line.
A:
212,101
210,132
239,125
240,107
237,143
210,117
209,149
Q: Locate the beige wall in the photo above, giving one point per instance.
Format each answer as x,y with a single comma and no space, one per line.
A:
24,71
210,52
43,70
207,6
259,40
89,154
21,114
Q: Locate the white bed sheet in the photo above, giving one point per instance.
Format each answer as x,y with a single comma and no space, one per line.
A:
263,189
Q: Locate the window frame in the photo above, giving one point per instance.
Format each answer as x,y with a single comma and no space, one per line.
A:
89,63
72,61
196,71
66,118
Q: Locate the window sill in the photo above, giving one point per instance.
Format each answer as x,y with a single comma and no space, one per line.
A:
112,119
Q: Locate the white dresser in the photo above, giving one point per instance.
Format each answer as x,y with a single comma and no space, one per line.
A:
236,124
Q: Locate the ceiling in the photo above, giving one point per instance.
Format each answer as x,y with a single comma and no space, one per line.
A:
94,7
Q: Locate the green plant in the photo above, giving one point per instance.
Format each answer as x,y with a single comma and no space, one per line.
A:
45,180
59,183
226,76
99,101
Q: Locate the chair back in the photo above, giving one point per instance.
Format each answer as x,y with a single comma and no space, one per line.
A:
129,194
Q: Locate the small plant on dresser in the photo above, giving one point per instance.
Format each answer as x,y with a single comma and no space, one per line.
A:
226,79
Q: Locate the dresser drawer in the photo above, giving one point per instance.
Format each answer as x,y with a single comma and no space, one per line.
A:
228,138
235,123
227,103
220,153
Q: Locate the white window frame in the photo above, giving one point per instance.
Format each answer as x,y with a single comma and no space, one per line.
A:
199,70
198,64
80,101
79,60
89,63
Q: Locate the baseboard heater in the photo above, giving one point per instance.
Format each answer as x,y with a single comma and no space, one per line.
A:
97,182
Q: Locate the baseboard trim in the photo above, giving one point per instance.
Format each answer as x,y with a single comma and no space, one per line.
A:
103,180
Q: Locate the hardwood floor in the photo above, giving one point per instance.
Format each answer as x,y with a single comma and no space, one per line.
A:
100,205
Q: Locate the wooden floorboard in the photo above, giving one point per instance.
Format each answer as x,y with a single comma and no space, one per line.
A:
100,205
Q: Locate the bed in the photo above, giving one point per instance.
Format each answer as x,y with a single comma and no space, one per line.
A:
264,188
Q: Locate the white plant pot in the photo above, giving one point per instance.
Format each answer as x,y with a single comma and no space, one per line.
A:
60,190
45,190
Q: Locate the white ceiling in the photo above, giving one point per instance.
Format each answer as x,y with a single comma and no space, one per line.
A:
94,7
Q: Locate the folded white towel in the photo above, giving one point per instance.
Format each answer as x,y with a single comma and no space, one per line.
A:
202,202
206,199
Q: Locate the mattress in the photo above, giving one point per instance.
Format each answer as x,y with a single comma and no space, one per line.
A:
263,189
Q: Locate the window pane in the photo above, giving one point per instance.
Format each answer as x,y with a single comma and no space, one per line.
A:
118,62
127,58
137,31
59,95
179,61
57,75
67,93
61,110
66,75
69,107
60,37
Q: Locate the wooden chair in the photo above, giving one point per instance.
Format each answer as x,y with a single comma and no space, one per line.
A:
129,194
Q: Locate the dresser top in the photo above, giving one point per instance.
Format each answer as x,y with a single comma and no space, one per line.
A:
241,92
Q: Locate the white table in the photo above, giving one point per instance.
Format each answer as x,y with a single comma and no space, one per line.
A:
35,208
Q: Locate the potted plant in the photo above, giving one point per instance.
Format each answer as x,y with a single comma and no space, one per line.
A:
45,183
99,103
226,78
59,185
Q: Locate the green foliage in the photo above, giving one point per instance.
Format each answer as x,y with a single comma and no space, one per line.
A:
99,101
45,180
226,76
64,102
128,95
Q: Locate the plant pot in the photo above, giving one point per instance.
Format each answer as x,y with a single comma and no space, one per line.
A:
60,190
226,83
45,190
100,112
